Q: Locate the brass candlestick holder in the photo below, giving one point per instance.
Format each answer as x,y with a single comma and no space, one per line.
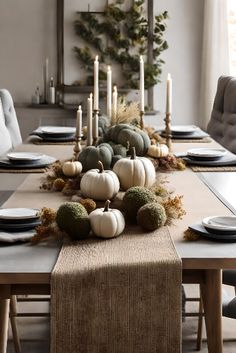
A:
141,119
77,147
95,126
168,131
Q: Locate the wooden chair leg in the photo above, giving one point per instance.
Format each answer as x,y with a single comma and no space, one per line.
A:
199,329
4,315
13,313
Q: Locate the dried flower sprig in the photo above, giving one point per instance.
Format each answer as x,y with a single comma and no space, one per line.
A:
47,215
154,136
190,235
168,163
55,180
174,208
126,112
48,228
89,204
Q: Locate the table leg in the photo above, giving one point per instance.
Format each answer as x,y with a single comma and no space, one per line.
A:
4,318
211,296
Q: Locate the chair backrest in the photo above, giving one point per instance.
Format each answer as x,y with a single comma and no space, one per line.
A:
10,135
222,125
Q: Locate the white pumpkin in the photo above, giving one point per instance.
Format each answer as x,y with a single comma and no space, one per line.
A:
71,169
158,151
135,171
106,222
100,184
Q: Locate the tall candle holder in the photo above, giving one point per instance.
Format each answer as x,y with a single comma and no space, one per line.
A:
95,126
141,119
77,147
168,130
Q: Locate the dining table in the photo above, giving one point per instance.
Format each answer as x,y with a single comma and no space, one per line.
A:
26,269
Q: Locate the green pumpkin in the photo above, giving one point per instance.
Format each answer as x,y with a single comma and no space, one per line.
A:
90,156
115,159
103,124
118,149
127,133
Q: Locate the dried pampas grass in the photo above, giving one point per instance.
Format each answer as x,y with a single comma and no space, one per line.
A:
126,112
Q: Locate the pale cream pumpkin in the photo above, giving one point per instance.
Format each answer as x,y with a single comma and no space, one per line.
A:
71,169
99,184
158,151
106,222
135,171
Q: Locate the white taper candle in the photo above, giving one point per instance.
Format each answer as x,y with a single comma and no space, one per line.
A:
141,84
114,102
96,88
169,94
89,120
109,92
78,132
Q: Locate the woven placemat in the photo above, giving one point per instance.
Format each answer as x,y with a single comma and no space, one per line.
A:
120,295
33,170
205,139
213,169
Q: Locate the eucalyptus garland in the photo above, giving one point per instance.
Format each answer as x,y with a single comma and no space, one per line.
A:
120,36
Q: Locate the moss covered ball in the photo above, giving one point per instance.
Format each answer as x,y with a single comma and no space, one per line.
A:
134,198
73,218
151,216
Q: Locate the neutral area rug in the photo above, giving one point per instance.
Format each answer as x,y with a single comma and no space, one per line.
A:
117,296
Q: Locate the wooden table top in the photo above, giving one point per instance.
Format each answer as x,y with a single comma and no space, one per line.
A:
20,263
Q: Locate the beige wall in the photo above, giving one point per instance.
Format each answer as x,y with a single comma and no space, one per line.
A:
183,58
28,36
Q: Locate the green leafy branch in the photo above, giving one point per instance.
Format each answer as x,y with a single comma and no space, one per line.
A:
121,36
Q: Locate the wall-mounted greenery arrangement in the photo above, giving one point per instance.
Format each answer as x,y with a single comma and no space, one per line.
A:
120,36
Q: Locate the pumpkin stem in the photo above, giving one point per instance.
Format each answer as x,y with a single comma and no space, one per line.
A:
106,206
100,167
133,153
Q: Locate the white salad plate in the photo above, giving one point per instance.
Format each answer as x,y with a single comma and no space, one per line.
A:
24,156
58,130
224,224
18,213
183,129
206,153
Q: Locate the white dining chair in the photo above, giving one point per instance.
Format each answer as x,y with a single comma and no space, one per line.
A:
10,135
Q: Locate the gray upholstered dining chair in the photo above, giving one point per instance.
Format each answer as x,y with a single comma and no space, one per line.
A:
10,135
229,307
222,124
222,127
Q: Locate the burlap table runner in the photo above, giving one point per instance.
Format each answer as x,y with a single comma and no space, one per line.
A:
117,296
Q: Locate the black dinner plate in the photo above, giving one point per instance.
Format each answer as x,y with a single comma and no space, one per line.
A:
50,138
18,227
198,134
41,163
201,230
226,160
